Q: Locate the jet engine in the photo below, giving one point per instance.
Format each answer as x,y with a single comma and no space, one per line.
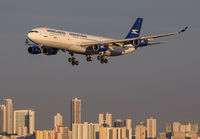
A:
140,43
49,51
100,48
34,50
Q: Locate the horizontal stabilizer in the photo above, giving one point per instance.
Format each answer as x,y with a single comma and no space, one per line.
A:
156,43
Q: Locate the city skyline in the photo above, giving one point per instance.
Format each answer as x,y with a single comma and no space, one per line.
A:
23,122
151,123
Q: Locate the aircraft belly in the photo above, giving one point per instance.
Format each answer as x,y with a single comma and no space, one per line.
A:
60,44
76,49
116,51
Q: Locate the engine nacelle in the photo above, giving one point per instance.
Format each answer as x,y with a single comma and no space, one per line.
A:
140,43
34,50
100,48
49,51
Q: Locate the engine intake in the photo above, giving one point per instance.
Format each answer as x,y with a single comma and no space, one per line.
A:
140,43
100,48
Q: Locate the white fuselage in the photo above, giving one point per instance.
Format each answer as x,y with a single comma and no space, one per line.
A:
71,41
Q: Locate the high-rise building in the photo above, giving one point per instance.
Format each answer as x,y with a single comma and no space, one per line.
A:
22,131
24,120
176,127
9,115
118,123
70,134
58,120
113,133
105,119
168,128
85,131
61,132
44,134
140,131
75,111
151,128
163,135
181,127
2,119
128,125
181,130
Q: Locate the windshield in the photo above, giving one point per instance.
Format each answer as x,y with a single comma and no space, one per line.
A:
33,31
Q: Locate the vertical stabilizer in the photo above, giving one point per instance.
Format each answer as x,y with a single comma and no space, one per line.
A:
135,30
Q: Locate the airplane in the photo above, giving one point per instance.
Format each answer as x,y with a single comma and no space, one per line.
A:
49,41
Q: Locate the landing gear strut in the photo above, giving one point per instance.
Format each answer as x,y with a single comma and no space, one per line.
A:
102,59
73,60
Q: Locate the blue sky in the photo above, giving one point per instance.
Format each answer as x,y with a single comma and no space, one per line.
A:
160,81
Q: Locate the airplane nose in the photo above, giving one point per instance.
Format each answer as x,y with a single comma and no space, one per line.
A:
30,36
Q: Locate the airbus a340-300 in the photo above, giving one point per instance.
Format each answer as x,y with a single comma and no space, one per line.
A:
49,41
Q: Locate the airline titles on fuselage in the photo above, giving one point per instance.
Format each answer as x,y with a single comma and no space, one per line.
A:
76,35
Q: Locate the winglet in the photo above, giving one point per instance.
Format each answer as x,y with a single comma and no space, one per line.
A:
183,30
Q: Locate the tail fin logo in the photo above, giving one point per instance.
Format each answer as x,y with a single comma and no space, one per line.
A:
134,31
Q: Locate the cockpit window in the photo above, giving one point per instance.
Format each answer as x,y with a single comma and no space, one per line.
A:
33,31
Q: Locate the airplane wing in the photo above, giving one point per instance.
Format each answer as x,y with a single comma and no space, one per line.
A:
113,43
150,38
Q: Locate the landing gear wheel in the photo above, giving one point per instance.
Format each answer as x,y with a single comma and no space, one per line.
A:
102,61
105,60
99,57
73,60
70,59
73,63
77,63
91,58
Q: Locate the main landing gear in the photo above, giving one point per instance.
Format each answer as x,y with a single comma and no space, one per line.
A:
73,60
102,59
89,58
